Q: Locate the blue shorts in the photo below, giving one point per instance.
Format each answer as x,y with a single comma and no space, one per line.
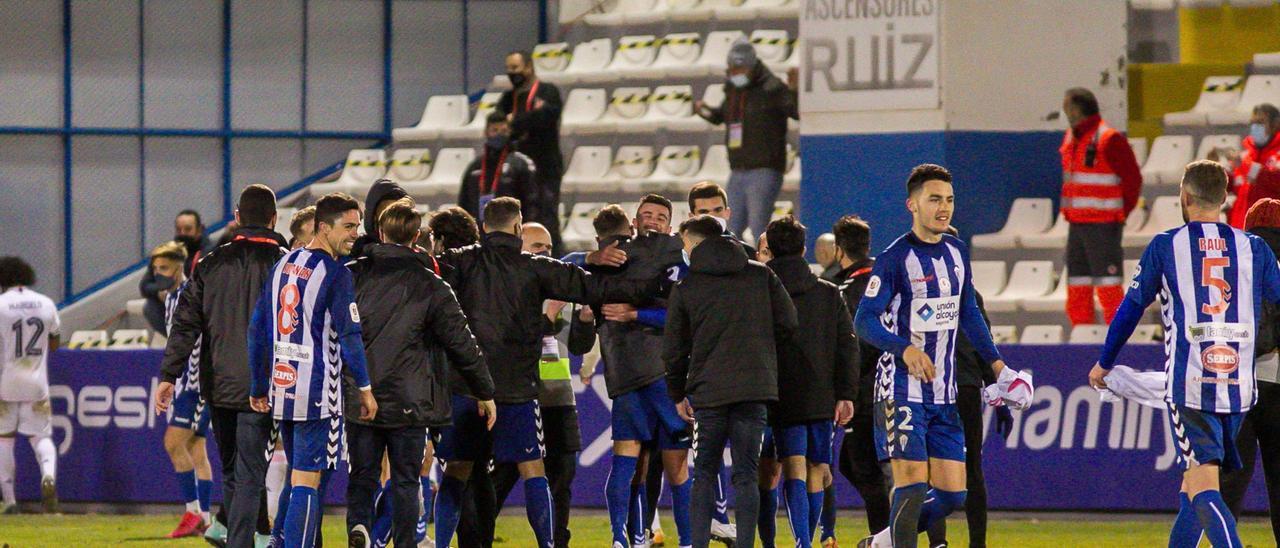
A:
647,414
189,413
312,446
517,435
1204,437
811,440
918,431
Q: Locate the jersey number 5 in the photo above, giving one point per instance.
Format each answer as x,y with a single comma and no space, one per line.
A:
1209,279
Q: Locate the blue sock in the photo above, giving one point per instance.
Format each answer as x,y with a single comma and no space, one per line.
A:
448,499
380,531
722,501
282,510
618,496
1219,525
428,502
204,491
187,486
537,506
1186,528
905,509
829,512
798,511
304,513
636,514
680,496
767,520
815,513
939,504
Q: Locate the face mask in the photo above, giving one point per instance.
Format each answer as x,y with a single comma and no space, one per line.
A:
517,79
497,142
739,80
1259,134
188,241
684,254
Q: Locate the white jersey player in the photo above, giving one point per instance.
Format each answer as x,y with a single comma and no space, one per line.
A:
28,333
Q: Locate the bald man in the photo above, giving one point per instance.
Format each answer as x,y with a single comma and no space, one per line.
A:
827,255
563,438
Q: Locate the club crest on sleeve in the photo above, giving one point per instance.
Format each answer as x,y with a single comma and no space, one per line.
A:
873,287
355,313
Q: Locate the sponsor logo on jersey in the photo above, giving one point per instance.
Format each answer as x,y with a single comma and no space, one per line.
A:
1220,358
1219,332
292,352
936,314
284,376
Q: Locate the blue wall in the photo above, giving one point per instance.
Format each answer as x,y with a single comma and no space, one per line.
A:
866,174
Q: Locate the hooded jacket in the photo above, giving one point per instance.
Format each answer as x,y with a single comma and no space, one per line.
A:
763,108
218,304
501,290
724,324
410,321
853,284
818,365
382,190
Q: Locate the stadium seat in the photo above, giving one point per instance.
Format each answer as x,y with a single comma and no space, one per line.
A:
442,111
1135,220
134,307
732,10
363,167
1089,334
676,168
1258,89
1153,5
551,58
1219,94
446,175
1211,142
634,53
669,105
588,166
1055,301
1027,279
629,12
791,179
1166,213
627,107
1026,216
715,166
588,59
1004,334
1169,156
714,57
1147,334
284,216
1267,60
775,9
677,50
989,277
83,340
411,167
129,339
679,212
772,46
474,130
631,163
579,234
712,96
1054,238
692,10
1139,146
782,208
584,107
1041,334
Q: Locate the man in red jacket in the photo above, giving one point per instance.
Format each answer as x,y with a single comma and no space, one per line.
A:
1257,175
1101,182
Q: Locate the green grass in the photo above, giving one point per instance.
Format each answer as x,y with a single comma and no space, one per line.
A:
592,530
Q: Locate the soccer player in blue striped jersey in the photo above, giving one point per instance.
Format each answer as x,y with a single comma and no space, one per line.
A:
920,293
304,336
1211,280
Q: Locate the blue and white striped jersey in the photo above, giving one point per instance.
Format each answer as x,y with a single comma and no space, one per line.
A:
190,378
1211,280
305,329
920,294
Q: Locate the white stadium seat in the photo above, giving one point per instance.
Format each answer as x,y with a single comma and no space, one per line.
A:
1258,89
676,168
626,111
772,46
782,208
446,174
134,307
411,167
712,96
1152,5
587,167
1219,94
363,167
1211,142
631,163
615,12
1139,146
714,57
1054,238
130,339
1166,213
1026,216
579,233
1055,301
550,58
775,9
733,10
474,130
1089,334
584,107
676,51
634,53
1041,334
1267,60
284,217
679,212
1169,156
989,277
442,111
669,105
692,10
1147,334
589,58
791,179
715,166
1135,220
1004,334
81,340
1028,279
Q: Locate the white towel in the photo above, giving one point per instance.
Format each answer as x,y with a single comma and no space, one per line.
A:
1144,387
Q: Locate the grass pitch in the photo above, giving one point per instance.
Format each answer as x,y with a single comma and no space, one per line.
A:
591,529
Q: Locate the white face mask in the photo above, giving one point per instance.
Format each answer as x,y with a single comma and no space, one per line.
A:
739,80
1259,134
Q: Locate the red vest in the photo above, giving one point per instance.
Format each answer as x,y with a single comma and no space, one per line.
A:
1091,190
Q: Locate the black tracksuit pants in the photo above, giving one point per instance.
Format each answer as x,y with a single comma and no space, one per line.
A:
404,448
1261,430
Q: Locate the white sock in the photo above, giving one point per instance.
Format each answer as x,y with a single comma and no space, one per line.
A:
883,539
656,525
276,470
47,455
193,507
6,470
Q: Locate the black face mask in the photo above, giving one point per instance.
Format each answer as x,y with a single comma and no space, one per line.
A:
517,79
188,241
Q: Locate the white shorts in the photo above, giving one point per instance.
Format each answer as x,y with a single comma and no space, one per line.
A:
29,418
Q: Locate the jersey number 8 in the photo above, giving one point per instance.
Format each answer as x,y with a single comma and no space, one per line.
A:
287,317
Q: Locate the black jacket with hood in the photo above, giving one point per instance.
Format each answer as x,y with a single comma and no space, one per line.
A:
217,304
763,108
853,284
410,320
725,321
818,365
381,191
501,290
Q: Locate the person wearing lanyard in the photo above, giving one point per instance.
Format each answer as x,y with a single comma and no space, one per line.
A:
755,111
499,171
533,109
